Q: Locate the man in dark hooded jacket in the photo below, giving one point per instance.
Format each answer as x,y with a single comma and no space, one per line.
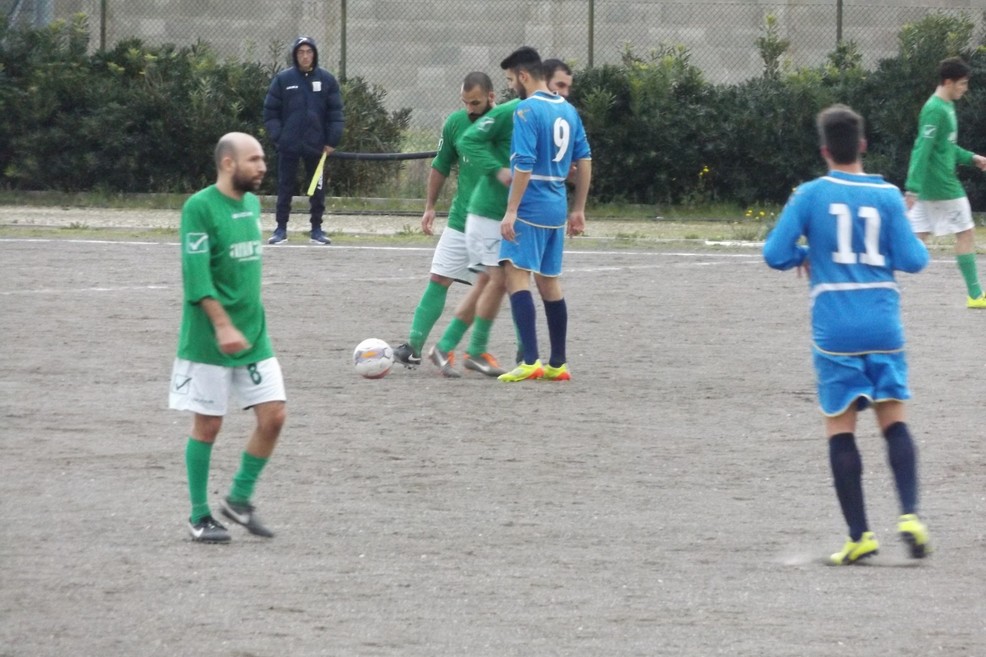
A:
303,116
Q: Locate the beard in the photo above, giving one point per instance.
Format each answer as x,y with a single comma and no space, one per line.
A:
245,184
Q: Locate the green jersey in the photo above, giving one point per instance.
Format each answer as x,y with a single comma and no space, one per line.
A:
931,174
221,258
448,156
487,146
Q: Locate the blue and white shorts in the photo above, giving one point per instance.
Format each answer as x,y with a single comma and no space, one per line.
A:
536,249
860,380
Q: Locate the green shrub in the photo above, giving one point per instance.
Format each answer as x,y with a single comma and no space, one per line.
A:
138,118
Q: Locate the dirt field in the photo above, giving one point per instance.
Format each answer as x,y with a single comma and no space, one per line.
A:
673,499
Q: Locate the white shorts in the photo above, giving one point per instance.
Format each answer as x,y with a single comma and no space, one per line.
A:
941,217
483,242
451,258
205,389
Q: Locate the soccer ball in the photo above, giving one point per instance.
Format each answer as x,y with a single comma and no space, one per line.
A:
373,358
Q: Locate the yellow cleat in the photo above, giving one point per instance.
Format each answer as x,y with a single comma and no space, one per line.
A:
976,303
556,373
913,532
853,551
523,372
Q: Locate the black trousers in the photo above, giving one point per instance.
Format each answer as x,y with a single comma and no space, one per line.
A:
287,186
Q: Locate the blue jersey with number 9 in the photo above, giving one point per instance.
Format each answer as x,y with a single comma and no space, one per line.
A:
858,234
548,135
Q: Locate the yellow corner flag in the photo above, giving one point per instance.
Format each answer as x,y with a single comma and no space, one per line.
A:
317,178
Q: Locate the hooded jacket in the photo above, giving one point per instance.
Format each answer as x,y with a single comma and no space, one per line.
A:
303,111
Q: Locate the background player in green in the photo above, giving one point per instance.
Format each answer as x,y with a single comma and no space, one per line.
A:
935,198
223,346
486,146
450,262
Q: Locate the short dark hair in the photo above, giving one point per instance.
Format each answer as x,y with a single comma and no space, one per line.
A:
477,79
840,129
524,58
953,68
552,66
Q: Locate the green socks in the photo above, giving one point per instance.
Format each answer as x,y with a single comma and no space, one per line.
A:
197,457
480,340
967,265
453,334
426,314
246,478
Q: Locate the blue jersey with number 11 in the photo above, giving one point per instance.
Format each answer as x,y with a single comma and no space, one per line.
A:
548,135
858,235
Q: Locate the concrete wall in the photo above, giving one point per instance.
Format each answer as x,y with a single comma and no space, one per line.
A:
419,50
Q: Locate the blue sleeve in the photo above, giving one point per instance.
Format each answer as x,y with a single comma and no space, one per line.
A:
523,144
781,250
582,150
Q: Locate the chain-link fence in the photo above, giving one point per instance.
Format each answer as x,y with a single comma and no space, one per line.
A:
419,50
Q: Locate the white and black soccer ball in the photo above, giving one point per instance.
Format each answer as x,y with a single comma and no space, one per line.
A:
373,358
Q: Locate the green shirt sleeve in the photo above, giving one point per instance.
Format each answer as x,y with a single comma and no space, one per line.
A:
196,251
447,154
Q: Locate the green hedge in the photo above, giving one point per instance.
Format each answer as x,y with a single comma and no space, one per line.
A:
145,119
661,134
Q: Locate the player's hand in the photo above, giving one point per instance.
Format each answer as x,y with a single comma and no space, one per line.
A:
230,340
507,226
427,220
910,198
504,176
804,269
979,161
328,150
576,224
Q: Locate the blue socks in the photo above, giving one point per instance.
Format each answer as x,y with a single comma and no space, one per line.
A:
556,313
522,308
847,474
903,462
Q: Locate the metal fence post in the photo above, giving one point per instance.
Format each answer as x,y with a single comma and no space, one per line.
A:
342,41
102,25
592,30
838,22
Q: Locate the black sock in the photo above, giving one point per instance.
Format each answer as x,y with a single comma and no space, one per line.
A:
903,461
847,474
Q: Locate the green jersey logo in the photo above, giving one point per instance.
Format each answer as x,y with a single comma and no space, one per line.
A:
197,243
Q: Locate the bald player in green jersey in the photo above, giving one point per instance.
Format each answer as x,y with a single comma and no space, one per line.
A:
487,147
450,262
223,346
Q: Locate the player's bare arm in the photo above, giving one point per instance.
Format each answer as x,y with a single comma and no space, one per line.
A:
228,337
435,182
576,217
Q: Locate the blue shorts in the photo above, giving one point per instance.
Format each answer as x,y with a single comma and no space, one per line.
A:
535,248
860,380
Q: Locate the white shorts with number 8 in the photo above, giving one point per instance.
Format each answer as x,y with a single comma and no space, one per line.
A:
206,389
